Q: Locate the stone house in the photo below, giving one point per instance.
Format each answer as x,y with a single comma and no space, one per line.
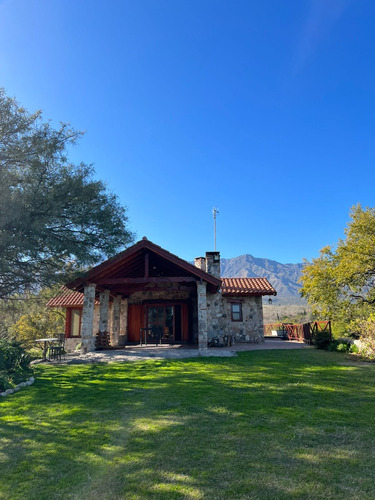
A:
145,293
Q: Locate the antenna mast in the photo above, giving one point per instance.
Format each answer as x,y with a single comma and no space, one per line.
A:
214,212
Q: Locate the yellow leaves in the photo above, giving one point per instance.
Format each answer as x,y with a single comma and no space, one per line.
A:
339,283
37,324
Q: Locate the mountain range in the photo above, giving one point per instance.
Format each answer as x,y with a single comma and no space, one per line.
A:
283,277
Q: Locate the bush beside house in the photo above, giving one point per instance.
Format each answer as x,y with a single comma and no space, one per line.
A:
14,364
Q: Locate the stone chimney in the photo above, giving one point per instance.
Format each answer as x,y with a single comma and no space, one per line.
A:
200,263
213,264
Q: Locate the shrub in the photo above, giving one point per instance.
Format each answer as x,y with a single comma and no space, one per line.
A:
322,340
4,382
14,364
343,347
368,337
333,345
354,349
34,352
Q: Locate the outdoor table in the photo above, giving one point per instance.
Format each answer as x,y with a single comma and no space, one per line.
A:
47,343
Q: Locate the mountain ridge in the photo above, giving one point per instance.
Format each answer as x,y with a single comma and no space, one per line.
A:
283,277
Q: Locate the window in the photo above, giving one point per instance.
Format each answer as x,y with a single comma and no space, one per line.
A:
73,322
236,310
75,325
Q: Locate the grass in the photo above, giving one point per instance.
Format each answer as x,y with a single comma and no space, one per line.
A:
267,425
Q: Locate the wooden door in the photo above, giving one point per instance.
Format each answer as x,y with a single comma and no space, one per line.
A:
135,321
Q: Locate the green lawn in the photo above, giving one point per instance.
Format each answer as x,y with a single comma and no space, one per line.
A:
267,425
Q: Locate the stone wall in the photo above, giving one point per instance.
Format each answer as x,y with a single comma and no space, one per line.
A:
202,315
213,264
71,343
167,292
220,323
218,314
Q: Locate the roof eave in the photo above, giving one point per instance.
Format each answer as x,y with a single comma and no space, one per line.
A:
247,294
92,274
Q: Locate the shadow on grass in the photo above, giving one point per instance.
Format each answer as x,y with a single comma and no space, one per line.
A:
267,424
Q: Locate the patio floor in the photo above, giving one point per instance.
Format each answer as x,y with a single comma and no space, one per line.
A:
136,353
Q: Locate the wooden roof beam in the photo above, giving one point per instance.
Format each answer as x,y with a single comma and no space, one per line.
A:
135,281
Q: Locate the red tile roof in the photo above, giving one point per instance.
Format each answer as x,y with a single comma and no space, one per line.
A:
246,286
229,286
67,298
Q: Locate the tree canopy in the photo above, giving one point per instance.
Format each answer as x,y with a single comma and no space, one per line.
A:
340,283
54,216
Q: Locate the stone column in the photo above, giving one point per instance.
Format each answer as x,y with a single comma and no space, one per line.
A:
124,318
116,320
202,316
103,311
87,333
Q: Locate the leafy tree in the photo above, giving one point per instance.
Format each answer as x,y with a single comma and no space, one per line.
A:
26,317
36,325
10,312
340,283
32,319
54,217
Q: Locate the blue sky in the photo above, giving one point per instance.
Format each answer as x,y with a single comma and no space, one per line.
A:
264,109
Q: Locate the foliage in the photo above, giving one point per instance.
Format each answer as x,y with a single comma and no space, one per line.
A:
14,364
354,349
54,217
10,311
340,329
26,317
339,284
322,339
263,425
368,337
341,345
32,326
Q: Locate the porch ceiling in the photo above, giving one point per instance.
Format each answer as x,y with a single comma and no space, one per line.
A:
141,265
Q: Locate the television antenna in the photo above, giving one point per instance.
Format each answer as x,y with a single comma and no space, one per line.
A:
214,212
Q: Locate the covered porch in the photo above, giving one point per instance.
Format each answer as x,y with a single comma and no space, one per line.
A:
144,294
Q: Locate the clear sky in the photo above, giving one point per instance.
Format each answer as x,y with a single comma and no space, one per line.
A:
263,109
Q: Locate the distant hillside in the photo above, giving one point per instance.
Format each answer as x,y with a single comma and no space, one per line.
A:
283,277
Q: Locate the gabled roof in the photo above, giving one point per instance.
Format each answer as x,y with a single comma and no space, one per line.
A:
246,286
142,261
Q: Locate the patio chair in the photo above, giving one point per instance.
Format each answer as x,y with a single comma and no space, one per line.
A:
56,351
168,337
